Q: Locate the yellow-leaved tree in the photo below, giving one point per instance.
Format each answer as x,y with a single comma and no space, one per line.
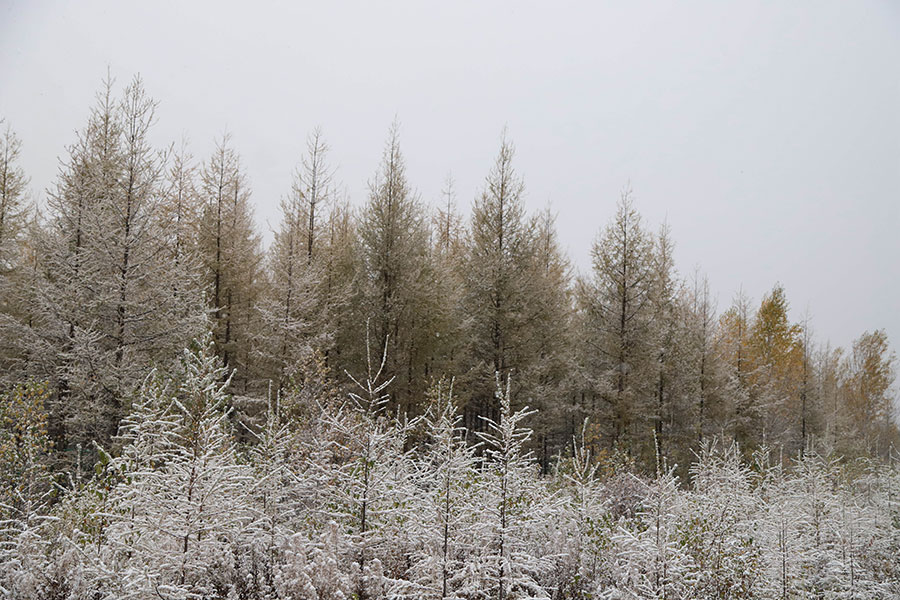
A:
775,355
24,451
868,392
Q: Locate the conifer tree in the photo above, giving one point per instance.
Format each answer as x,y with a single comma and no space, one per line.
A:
775,353
514,505
184,503
397,276
295,309
509,297
829,375
231,258
369,467
733,342
448,356
700,340
550,325
673,413
342,285
723,523
445,527
13,206
618,303
108,309
868,392
181,210
16,255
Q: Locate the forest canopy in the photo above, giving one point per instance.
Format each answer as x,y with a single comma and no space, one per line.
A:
395,401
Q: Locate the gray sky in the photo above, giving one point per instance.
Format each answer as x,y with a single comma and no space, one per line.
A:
768,134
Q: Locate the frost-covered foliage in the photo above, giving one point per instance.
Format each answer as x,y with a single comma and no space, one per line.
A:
341,499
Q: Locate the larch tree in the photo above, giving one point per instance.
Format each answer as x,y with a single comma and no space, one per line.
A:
446,221
13,204
618,302
722,523
184,501
369,465
811,413
711,381
108,303
549,319
446,529
342,285
674,413
397,275
294,308
869,393
448,253
181,208
734,327
500,287
829,372
16,266
513,505
775,353
231,258
701,331
68,273
733,343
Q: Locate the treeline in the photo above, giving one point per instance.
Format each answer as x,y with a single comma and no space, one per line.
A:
140,249
338,498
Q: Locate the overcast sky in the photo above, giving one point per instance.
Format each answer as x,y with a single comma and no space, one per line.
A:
766,133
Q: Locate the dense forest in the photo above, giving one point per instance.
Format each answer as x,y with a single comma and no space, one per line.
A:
392,401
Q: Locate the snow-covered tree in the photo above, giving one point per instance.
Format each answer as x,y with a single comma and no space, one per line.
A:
582,551
651,560
13,206
618,303
180,513
396,279
720,525
369,469
499,283
107,310
445,522
231,258
509,563
295,308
